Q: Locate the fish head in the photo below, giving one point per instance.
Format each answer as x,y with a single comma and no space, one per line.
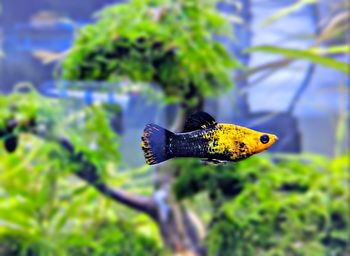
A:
253,142
262,141
243,142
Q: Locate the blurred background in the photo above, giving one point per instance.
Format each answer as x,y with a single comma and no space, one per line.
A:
79,82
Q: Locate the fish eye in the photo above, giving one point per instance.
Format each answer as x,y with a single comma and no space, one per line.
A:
264,139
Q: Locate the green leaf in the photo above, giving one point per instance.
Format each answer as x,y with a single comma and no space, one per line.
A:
287,11
337,49
303,54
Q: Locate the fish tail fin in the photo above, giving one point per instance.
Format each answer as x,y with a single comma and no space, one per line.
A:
154,143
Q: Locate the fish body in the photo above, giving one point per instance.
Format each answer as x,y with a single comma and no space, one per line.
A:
204,138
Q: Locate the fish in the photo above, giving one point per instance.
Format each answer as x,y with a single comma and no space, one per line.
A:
203,138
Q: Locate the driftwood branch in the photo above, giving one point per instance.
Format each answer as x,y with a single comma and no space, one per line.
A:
89,173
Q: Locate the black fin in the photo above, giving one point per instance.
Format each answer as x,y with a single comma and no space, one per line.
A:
199,120
155,144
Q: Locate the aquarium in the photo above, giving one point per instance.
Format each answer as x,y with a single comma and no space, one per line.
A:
185,128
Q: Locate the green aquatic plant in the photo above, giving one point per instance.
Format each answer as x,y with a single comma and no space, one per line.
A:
168,43
298,205
315,55
263,205
330,45
22,112
52,180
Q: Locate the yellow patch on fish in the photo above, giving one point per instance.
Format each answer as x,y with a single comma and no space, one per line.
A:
238,141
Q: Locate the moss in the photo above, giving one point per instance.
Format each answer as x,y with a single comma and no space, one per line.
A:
274,216
176,50
220,182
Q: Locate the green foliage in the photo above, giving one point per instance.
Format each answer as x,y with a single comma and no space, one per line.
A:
287,11
44,208
333,31
295,207
336,49
310,55
220,182
164,42
46,211
87,128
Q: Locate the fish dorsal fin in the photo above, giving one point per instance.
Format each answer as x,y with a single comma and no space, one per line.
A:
199,120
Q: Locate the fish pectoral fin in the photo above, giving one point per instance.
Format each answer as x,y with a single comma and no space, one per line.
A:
214,161
199,120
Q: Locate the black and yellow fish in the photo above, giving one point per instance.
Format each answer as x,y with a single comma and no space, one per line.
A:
203,138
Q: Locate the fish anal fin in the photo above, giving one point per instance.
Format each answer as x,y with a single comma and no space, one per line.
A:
199,120
214,161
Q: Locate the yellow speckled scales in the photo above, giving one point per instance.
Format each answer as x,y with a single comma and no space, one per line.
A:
239,141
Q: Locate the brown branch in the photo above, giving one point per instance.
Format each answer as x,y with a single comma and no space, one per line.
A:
89,173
